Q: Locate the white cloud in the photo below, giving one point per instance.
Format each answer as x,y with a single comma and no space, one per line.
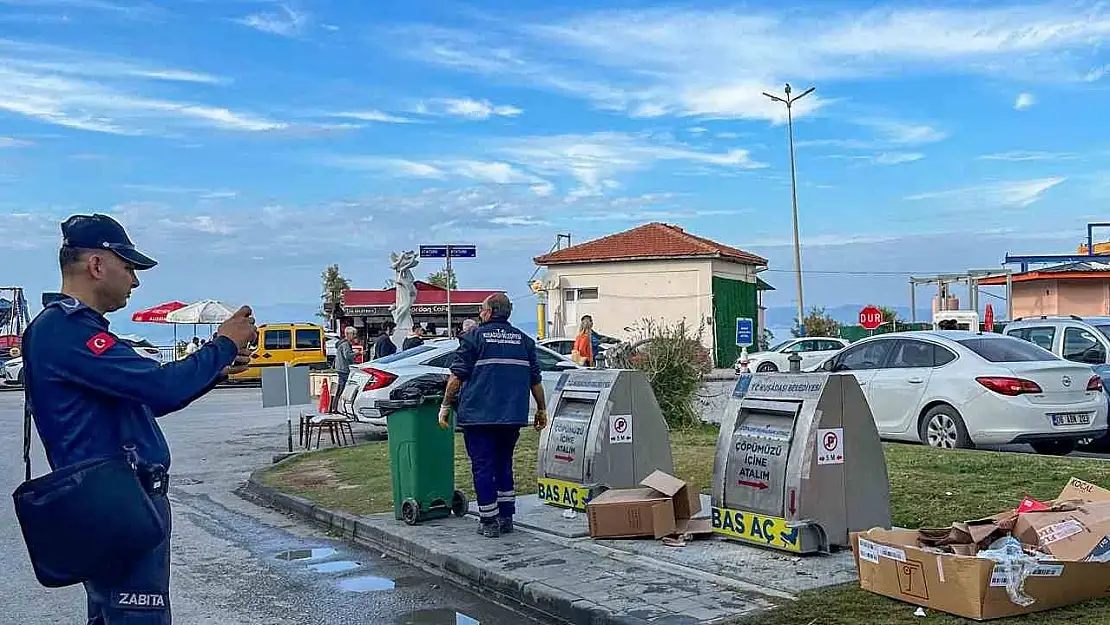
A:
467,108
1009,194
1024,101
884,158
901,133
397,166
68,88
494,172
10,142
715,62
204,194
1024,155
287,22
373,115
697,130
595,161
1096,73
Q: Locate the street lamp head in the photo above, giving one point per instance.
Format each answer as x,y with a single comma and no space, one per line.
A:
805,93
773,97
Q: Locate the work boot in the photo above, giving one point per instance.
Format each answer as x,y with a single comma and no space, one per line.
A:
489,530
505,524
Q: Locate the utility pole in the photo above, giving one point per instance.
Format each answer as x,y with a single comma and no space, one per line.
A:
789,102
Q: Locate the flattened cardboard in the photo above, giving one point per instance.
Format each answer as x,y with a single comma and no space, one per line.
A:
1078,489
1068,531
961,585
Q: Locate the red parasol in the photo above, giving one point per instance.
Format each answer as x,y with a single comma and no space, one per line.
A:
158,313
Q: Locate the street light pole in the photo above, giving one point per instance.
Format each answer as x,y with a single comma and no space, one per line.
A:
789,102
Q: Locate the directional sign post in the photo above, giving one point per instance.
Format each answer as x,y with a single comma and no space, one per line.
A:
447,252
745,337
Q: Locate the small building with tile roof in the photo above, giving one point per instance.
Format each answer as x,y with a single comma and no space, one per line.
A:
1075,288
656,271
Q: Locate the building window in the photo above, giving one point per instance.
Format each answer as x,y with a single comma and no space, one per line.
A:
569,295
587,294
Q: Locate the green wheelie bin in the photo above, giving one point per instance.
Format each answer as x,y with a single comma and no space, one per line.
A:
421,460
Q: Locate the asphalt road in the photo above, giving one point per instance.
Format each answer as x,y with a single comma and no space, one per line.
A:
235,563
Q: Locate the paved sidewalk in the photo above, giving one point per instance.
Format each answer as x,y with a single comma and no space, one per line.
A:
577,580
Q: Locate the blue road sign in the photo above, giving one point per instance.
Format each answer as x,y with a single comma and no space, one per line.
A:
433,251
745,331
462,251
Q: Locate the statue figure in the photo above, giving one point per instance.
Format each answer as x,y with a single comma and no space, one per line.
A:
405,284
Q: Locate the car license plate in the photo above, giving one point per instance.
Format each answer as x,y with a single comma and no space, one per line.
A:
1071,418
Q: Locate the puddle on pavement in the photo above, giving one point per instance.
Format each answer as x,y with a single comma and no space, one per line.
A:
300,555
367,583
436,617
334,567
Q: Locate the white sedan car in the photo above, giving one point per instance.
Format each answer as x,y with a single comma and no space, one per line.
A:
11,371
813,350
375,380
961,389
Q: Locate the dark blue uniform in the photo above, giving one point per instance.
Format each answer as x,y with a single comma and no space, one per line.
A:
498,366
91,395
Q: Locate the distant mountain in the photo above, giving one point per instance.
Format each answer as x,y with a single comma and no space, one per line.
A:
848,314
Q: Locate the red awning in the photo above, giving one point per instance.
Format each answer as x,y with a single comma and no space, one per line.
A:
158,313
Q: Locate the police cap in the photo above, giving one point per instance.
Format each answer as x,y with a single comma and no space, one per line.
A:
102,232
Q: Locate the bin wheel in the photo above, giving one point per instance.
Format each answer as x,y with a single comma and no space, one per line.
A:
410,511
459,504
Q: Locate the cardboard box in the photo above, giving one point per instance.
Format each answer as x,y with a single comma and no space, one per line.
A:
967,586
663,506
912,566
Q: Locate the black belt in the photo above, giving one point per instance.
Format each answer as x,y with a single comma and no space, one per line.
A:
154,478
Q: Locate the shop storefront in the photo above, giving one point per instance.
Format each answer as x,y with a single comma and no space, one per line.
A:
368,311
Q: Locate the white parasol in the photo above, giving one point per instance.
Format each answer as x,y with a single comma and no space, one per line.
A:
207,311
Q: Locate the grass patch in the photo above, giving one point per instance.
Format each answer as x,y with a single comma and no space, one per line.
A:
928,488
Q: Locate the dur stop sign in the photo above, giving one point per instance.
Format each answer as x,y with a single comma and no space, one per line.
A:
870,317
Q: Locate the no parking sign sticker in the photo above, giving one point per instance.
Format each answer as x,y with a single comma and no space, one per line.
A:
620,428
830,446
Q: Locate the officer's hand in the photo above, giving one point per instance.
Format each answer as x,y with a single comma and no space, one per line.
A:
242,363
541,419
240,327
444,414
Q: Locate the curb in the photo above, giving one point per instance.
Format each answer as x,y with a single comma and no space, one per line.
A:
532,598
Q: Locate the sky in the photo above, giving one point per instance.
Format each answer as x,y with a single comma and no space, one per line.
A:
246,144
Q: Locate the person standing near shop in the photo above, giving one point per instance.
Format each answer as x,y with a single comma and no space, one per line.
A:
494,371
345,356
91,395
384,345
583,351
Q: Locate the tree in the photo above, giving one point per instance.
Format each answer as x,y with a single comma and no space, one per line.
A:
439,279
333,284
766,338
817,323
890,318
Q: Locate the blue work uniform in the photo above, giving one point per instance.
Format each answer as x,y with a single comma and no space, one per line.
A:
92,395
498,366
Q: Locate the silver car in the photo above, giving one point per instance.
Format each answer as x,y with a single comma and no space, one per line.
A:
375,380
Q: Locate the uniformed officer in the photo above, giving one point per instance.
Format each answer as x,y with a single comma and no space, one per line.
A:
494,370
91,394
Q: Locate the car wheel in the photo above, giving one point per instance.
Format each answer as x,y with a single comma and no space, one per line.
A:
1054,448
766,367
944,428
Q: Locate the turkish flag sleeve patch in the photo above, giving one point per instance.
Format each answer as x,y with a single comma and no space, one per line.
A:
101,343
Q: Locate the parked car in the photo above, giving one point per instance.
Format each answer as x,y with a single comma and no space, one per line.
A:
1078,339
11,372
373,381
564,346
813,350
962,389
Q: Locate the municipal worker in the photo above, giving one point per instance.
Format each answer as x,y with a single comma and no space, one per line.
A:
494,371
92,394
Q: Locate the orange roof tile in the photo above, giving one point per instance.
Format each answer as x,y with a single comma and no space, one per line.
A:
649,241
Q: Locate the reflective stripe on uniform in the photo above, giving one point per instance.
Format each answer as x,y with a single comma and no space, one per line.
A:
519,362
487,511
509,495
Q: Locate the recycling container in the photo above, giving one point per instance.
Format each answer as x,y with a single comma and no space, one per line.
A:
421,460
